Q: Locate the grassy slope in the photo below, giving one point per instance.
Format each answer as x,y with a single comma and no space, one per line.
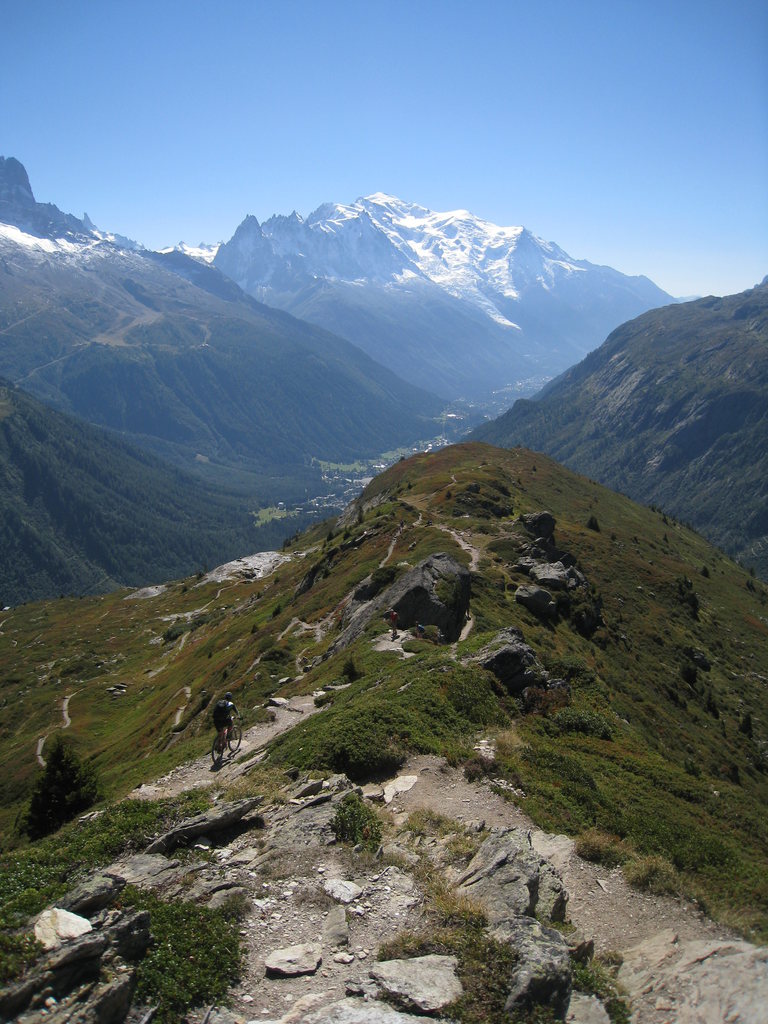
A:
82,512
672,409
678,778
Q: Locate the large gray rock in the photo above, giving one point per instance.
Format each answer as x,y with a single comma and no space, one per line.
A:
434,593
510,879
555,576
586,1010
94,894
540,524
512,661
341,889
542,975
699,981
336,928
148,870
351,1011
291,961
425,983
537,600
221,817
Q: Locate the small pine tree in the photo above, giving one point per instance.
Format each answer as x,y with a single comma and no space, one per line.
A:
63,789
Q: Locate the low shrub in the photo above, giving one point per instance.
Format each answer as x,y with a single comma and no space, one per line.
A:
581,720
652,874
355,822
602,848
194,958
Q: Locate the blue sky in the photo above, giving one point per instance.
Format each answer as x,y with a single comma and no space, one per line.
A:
631,134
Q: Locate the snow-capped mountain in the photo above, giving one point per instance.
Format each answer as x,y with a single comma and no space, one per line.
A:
469,303
203,252
169,352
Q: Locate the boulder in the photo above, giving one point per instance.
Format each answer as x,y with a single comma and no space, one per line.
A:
586,1010
221,817
292,961
540,524
537,600
350,1011
94,894
335,928
542,974
512,661
56,926
555,576
436,592
148,870
510,879
341,890
424,984
705,980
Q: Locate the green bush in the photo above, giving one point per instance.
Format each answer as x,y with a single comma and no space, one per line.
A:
653,874
355,822
194,958
581,720
66,787
601,848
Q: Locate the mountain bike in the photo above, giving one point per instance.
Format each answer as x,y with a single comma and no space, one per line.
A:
230,737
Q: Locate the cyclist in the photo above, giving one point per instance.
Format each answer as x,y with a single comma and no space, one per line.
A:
222,713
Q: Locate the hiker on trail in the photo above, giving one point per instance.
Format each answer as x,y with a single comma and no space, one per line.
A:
222,713
393,623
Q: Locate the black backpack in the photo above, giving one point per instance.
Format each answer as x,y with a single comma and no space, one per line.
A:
221,713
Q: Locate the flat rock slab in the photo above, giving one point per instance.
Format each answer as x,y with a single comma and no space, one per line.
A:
341,890
425,983
294,960
697,982
56,926
399,785
147,870
352,1011
586,1010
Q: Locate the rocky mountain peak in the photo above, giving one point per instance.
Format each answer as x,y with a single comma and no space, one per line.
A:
14,181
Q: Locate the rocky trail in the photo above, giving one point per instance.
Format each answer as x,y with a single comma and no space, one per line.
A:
316,912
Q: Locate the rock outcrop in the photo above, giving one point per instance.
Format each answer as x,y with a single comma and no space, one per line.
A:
434,593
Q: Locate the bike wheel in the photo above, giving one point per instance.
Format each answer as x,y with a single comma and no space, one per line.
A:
235,738
217,748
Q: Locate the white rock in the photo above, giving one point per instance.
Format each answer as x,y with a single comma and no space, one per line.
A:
341,890
56,926
291,961
399,785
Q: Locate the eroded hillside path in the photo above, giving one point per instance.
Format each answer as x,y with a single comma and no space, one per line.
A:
201,772
288,905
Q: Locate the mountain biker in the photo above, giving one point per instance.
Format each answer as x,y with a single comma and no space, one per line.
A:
223,711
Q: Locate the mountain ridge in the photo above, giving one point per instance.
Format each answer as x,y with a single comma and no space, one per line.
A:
673,410
171,352
521,303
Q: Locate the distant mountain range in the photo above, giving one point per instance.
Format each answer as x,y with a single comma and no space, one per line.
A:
673,410
172,354
448,298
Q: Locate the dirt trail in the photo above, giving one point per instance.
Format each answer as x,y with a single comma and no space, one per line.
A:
65,724
202,772
601,903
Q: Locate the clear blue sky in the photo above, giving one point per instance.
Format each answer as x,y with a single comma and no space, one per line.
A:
633,134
